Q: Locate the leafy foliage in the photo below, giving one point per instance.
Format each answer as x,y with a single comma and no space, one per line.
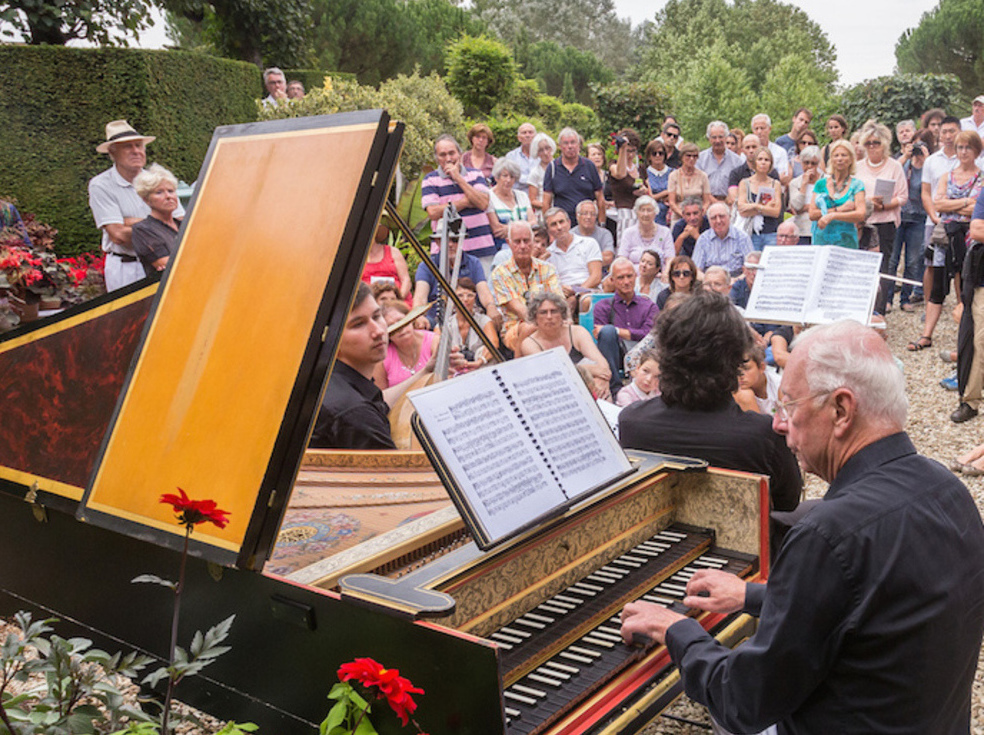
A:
640,105
422,103
555,64
481,71
55,22
204,650
948,40
893,98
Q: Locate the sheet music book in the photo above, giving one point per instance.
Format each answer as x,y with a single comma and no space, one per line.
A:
517,443
814,284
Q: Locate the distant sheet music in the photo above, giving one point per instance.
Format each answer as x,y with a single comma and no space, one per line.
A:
810,284
521,440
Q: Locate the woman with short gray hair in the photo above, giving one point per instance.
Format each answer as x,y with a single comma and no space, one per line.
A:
507,204
155,239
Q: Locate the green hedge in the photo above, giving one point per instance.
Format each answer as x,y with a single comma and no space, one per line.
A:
56,102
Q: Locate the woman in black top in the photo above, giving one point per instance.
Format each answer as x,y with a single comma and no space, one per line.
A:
155,239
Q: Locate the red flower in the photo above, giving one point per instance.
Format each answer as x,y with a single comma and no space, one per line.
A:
393,687
192,512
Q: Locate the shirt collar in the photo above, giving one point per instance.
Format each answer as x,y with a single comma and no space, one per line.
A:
874,455
118,179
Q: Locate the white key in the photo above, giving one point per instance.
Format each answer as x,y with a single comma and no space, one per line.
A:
529,623
562,667
519,698
574,657
539,618
596,641
580,650
529,690
555,673
545,680
517,633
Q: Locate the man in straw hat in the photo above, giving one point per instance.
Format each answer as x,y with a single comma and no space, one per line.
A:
115,204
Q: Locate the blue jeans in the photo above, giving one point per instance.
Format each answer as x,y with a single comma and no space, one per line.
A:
761,242
611,346
909,235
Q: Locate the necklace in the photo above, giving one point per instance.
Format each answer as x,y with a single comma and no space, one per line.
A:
412,367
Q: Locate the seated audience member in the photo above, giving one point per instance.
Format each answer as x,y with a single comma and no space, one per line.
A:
780,341
716,279
385,262
353,413
649,281
408,352
658,177
741,289
788,234
759,384
801,193
548,316
623,320
645,380
506,203
646,234
624,178
155,239
683,278
576,258
480,137
649,341
702,347
722,244
426,287
516,279
386,293
587,226
687,181
686,231
472,348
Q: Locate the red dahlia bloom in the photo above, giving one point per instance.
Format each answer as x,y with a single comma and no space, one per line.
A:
395,689
193,512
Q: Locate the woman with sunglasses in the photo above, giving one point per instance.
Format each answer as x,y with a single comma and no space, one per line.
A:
683,279
658,177
805,139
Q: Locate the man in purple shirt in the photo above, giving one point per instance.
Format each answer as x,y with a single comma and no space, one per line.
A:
623,320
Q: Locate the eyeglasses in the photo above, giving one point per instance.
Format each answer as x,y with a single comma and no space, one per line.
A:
873,144
657,153
671,135
789,238
681,274
964,148
782,407
690,155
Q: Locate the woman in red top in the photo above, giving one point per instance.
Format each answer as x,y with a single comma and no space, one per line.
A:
386,262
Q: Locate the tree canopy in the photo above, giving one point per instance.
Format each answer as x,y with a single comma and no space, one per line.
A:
55,22
948,40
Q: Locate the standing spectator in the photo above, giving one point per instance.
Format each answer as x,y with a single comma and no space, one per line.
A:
524,156
909,236
480,137
837,206
976,120
837,128
646,234
571,178
886,213
543,148
576,258
276,86
735,137
686,181
762,127
905,131
970,341
805,139
622,321
516,279
466,189
801,192
506,203
686,231
760,199
801,121
11,222
932,120
717,161
295,89
587,226
597,156
749,146
155,239
625,179
671,138
658,177
722,244
115,204
386,262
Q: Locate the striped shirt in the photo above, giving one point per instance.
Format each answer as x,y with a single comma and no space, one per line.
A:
439,189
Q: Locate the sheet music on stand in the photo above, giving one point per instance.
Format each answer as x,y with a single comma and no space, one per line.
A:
814,284
517,443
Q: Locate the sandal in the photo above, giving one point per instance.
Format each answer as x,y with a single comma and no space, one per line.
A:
920,344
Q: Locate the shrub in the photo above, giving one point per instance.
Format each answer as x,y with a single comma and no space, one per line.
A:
481,72
892,98
640,105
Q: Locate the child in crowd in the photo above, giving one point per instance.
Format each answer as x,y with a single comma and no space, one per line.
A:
759,384
645,380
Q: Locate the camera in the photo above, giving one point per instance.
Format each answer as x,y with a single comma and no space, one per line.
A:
618,141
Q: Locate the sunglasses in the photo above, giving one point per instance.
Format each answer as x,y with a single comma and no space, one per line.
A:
681,274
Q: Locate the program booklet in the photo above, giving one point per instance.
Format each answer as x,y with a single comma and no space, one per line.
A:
814,284
517,443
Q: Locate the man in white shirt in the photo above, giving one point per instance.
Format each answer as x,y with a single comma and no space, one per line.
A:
576,258
762,127
976,120
523,157
587,226
276,86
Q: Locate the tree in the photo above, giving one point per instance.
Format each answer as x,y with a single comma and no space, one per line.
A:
639,105
481,72
553,63
368,38
56,22
261,32
948,40
434,24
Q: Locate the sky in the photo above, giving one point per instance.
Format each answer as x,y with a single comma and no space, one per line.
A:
863,32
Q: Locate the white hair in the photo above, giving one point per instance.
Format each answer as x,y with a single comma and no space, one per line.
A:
716,124
810,153
643,201
511,167
540,138
585,202
846,354
149,180
513,224
763,116
568,133
269,72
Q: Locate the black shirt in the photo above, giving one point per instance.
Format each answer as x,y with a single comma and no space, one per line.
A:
871,620
726,437
353,413
687,247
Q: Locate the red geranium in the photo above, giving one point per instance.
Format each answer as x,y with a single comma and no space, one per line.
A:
394,688
192,512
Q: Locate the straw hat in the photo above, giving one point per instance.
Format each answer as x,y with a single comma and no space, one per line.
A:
119,131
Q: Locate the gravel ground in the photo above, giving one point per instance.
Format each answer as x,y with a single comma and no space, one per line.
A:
933,434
